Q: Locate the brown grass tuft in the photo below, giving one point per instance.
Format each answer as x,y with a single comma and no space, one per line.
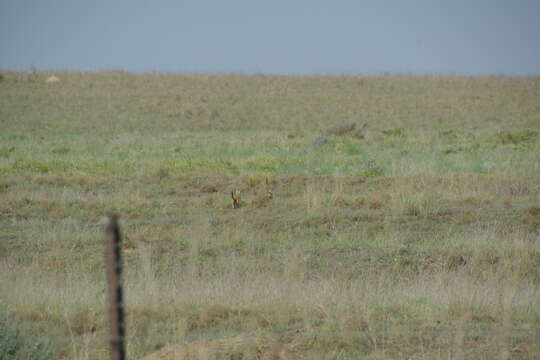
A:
341,129
209,188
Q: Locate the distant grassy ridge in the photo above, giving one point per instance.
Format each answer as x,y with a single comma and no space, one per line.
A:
115,123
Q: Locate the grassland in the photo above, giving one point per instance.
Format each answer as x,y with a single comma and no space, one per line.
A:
414,236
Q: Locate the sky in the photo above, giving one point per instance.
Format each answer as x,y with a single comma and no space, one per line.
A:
277,37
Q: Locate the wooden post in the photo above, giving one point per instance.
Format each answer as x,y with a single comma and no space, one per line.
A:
113,263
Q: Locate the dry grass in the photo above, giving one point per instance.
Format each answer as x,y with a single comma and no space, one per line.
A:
341,129
415,237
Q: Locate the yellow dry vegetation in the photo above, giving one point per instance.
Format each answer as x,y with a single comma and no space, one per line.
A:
52,79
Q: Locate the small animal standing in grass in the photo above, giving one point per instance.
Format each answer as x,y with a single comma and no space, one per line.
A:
269,191
235,194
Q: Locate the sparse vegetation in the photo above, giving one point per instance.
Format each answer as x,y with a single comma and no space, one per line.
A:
18,342
414,237
517,137
399,132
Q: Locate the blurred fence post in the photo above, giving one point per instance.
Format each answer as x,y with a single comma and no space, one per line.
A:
113,263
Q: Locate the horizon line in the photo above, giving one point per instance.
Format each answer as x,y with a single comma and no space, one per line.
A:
278,74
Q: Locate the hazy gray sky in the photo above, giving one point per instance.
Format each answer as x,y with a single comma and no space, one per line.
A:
286,37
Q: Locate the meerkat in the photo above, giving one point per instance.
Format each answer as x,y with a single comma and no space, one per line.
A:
235,195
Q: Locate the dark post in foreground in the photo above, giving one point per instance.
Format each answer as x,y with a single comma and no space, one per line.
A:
114,282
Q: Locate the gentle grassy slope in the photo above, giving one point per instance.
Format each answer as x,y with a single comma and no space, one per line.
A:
414,236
